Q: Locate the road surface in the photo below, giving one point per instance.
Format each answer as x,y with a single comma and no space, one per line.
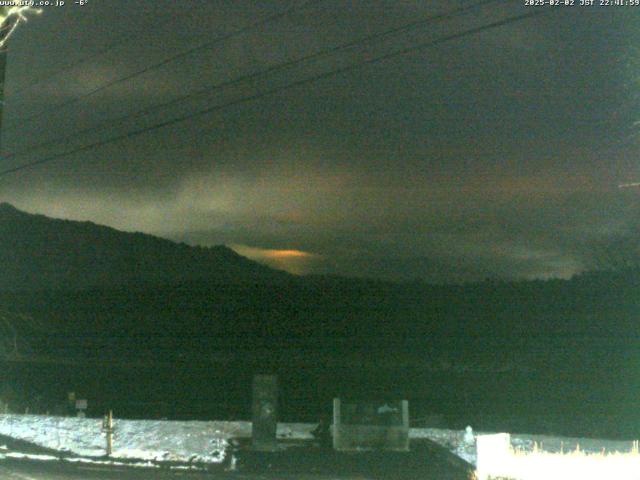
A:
426,461
55,470
34,470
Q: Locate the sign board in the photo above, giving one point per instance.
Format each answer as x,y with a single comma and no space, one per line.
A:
81,404
371,425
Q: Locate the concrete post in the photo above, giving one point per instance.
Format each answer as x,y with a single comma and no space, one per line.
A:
265,412
336,423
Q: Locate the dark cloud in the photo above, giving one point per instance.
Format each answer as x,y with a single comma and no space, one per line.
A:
494,154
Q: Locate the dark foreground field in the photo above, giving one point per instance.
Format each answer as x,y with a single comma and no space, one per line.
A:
556,357
426,461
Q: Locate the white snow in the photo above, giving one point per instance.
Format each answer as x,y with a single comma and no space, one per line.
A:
173,441
145,440
136,439
455,442
208,442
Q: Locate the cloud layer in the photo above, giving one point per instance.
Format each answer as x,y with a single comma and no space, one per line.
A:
494,155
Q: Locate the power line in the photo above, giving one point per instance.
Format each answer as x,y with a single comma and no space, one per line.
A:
250,98
251,76
106,49
160,64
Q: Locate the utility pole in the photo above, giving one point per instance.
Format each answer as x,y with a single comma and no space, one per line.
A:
4,27
10,18
3,67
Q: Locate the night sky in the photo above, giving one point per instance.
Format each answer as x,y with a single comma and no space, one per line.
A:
494,154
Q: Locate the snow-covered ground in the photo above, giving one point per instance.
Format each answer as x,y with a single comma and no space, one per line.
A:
208,442
132,439
155,440
455,441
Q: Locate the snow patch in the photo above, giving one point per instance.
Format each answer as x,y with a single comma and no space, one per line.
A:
198,442
144,440
150,440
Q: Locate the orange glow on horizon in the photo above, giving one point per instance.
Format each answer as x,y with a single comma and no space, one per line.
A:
291,260
286,253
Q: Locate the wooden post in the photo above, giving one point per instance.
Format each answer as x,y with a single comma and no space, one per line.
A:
108,428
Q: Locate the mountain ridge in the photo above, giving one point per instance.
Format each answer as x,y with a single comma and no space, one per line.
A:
39,252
